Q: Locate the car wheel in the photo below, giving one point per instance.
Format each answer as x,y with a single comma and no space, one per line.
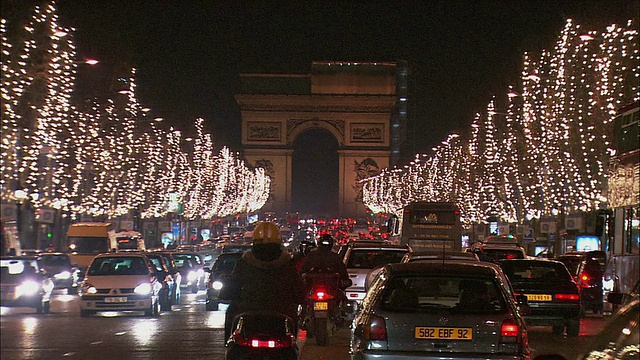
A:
212,305
86,313
573,327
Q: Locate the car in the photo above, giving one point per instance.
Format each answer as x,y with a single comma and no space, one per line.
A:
496,252
23,283
438,255
437,309
219,275
191,267
361,257
230,248
618,339
120,282
64,274
552,294
587,269
164,276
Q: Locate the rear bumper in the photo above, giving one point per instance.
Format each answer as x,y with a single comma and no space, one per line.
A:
407,355
355,295
549,314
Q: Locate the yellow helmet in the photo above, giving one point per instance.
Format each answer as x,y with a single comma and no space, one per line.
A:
266,233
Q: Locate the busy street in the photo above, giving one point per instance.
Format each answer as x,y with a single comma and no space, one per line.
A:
187,332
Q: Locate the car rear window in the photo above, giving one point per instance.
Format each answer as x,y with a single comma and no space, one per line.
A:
369,259
533,271
494,255
443,294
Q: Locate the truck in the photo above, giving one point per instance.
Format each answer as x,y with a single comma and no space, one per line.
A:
88,239
427,226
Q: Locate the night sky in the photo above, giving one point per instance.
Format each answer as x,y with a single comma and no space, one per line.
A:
189,54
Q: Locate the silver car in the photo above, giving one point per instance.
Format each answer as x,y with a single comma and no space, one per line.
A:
361,258
439,255
437,309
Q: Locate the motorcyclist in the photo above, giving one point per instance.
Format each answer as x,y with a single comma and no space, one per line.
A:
265,278
301,255
323,259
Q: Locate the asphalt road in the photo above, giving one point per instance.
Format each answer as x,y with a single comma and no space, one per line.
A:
187,332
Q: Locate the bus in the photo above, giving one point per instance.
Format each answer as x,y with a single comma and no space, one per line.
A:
429,226
88,239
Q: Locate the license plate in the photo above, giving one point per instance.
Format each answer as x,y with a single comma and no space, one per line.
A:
321,305
443,333
538,297
115,300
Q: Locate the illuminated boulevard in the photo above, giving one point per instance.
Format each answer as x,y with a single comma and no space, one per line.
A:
187,332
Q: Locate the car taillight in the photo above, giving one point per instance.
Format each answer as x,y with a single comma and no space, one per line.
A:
568,297
376,329
509,331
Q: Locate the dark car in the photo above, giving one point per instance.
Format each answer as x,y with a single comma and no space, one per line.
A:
552,294
495,252
163,275
618,339
587,269
219,275
440,309
23,283
191,267
64,274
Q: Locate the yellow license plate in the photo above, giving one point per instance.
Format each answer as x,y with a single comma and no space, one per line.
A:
538,297
443,333
321,305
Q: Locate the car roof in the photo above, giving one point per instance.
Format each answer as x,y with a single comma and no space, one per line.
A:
376,246
122,254
532,260
456,267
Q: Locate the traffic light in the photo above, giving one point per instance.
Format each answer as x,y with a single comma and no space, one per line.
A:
49,235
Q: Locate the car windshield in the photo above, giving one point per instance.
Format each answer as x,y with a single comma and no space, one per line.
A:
55,260
443,294
572,263
369,259
182,259
89,245
535,271
118,266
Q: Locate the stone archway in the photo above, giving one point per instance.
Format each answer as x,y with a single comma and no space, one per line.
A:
356,109
315,173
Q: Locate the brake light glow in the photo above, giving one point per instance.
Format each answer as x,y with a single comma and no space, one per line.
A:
259,343
509,331
568,297
320,294
376,329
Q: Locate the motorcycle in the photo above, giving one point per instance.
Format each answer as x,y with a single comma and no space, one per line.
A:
326,305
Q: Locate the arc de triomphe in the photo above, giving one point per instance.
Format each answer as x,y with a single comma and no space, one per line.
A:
352,101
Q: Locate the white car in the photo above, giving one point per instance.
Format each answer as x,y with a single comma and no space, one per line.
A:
120,282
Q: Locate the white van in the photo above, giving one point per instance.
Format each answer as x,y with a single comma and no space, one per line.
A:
130,241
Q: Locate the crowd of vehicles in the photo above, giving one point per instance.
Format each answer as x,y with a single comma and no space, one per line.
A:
408,301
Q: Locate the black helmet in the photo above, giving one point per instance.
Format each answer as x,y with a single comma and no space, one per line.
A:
325,240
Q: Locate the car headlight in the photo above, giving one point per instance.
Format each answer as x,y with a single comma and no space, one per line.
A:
200,273
216,285
89,289
63,275
27,288
143,289
192,275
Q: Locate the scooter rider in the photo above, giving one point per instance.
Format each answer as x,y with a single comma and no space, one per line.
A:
265,278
